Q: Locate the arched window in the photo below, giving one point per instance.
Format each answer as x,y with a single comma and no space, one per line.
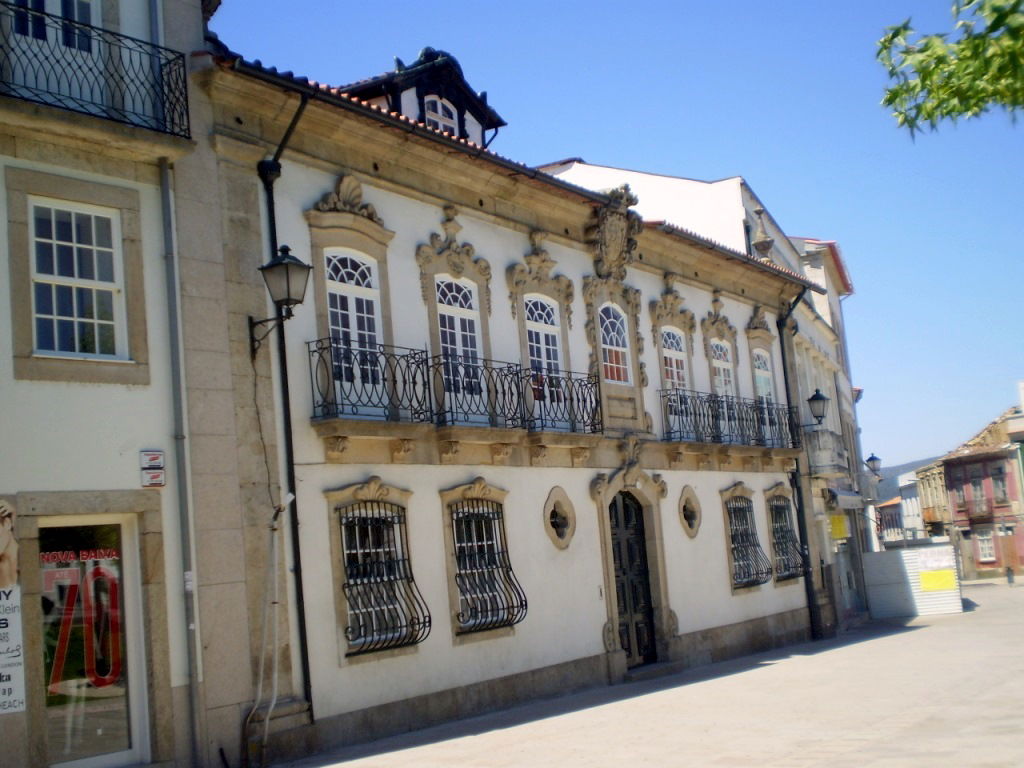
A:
614,345
764,387
458,320
722,368
353,315
542,336
440,114
673,358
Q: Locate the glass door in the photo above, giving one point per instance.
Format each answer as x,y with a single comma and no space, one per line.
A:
93,672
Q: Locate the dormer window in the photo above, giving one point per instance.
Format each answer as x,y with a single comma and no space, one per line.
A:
440,114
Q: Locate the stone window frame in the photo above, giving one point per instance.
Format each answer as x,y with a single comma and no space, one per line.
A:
716,326
341,220
373,489
597,293
21,184
783,490
734,491
533,278
144,506
761,338
688,499
559,505
478,489
445,256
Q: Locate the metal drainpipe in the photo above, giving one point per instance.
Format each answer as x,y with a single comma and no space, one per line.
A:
794,481
269,171
180,454
178,407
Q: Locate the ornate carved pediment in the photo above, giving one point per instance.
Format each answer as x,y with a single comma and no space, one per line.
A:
347,197
372,490
758,320
535,277
630,449
668,310
717,326
612,236
444,254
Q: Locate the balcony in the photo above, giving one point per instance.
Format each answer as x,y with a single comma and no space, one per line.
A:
975,509
402,385
62,63
705,418
827,452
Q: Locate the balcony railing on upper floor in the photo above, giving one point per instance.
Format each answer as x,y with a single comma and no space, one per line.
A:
976,508
399,384
702,417
562,402
826,450
53,60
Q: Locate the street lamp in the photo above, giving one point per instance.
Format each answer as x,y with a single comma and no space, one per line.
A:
874,464
818,403
286,278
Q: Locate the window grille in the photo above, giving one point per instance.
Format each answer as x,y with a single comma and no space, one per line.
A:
750,566
385,607
490,596
788,559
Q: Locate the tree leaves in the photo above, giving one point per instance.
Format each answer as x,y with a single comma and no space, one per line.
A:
946,76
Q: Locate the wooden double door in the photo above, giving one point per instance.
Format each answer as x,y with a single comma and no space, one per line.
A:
632,580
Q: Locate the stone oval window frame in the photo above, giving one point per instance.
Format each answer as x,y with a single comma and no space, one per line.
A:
558,501
689,498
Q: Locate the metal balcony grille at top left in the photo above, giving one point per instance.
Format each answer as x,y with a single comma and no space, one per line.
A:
62,62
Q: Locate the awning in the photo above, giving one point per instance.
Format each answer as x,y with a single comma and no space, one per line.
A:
845,499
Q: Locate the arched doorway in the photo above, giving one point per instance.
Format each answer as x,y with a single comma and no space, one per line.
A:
632,580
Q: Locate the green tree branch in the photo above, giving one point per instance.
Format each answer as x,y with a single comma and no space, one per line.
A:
963,73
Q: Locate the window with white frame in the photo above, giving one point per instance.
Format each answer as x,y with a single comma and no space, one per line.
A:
542,343
490,596
721,368
750,566
459,319
384,606
998,482
614,345
440,114
353,314
986,545
673,358
764,387
77,280
33,25
788,560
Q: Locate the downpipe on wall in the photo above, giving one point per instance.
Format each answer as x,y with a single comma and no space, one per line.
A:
813,610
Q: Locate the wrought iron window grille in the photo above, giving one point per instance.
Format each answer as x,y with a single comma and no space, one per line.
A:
490,595
65,63
750,566
788,557
385,607
703,417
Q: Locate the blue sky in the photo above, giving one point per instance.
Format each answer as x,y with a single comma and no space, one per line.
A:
785,94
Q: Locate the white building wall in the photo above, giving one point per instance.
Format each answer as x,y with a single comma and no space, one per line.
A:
564,588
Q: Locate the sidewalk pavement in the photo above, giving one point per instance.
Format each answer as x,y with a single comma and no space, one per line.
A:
932,691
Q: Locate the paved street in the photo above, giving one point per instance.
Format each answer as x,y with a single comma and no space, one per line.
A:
939,691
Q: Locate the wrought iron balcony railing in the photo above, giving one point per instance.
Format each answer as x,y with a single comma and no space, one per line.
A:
406,385
386,383
470,390
706,418
562,402
64,63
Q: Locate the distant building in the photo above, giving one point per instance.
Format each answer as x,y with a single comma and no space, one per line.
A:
910,506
